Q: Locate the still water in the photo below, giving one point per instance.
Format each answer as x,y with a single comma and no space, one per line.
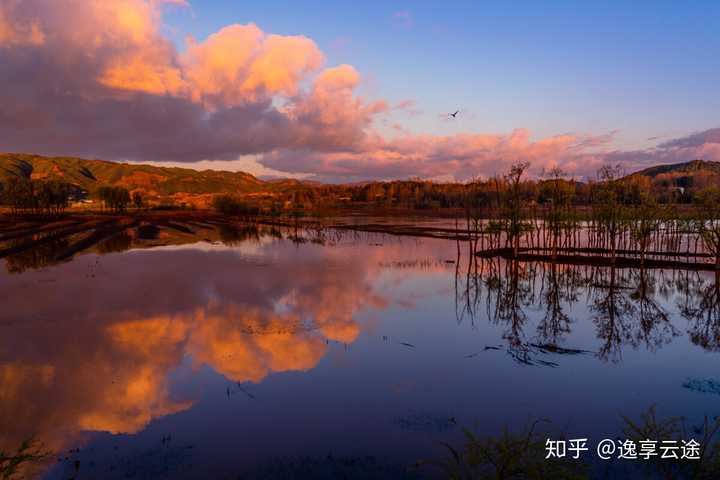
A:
351,355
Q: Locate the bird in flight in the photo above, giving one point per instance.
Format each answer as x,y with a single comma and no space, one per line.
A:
454,114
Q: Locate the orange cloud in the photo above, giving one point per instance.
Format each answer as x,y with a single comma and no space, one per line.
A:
239,91
17,33
140,73
241,63
246,344
110,370
109,84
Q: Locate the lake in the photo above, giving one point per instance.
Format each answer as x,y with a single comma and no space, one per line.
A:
274,353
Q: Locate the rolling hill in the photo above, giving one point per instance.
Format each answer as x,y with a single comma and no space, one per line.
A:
686,168
183,184
89,175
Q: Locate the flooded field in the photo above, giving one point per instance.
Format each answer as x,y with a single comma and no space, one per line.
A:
269,352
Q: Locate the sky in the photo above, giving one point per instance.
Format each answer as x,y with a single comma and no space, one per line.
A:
346,91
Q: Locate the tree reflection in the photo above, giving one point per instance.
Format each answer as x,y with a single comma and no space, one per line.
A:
514,294
232,235
627,312
560,289
41,255
468,288
117,243
510,287
701,307
654,326
626,305
616,311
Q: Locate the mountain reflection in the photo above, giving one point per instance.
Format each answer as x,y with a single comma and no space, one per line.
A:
93,347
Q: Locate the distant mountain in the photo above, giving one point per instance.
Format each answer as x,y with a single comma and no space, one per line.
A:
184,183
90,175
681,169
289,182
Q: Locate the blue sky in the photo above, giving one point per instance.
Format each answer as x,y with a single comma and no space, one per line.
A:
645,69
313,88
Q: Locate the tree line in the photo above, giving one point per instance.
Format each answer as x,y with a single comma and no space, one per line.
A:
613,213
48,197
53,197
678,188
117,199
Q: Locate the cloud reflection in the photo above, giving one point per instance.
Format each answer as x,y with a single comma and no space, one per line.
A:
97,352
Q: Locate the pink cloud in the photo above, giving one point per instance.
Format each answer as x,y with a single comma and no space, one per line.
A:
461,156
465,156
110,85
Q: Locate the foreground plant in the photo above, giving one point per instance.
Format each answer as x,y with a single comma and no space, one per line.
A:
673,429
508,456
525,455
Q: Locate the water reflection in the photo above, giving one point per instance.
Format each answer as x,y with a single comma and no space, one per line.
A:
42,255
101,343
560,288
629,307
700,305
93,348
